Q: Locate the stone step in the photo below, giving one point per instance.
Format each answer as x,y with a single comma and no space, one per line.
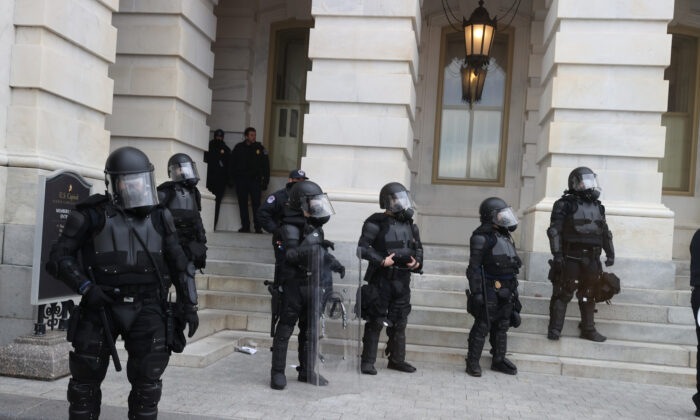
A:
628,295
222,253
683,281
682,267
239,240
457,300
568,366
447,252
219,254
458,318
197,354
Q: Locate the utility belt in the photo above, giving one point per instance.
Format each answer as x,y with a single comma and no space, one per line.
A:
578,251
144,293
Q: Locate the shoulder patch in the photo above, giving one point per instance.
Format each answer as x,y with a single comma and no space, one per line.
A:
271,199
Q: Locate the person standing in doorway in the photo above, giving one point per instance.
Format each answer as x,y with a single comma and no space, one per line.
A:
250,173
217,160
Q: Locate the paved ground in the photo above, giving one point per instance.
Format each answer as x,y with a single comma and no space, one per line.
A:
237,388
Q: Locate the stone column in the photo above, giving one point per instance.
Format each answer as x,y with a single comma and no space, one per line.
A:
361,91
54,95
602,78
161,78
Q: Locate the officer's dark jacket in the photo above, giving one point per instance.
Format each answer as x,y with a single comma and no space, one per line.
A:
579,222
185,204
491,253
250,163
271,211
695,260
217,159
297,240
97,236
382,235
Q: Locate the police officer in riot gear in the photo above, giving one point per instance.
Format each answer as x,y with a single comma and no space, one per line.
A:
271,212
114,251
301,240
390,241
493,287
577,234
181,196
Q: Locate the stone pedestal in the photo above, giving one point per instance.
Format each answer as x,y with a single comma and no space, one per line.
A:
36,357
603,95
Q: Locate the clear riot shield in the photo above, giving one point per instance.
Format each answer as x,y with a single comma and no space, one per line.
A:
332,356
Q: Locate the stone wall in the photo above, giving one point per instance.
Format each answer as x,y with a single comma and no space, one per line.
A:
52,116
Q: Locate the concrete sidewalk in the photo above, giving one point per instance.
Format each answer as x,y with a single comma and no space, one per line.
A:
236,387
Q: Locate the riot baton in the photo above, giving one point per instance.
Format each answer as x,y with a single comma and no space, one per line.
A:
108,332
486,304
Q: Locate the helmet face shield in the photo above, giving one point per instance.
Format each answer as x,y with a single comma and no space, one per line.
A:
317,206
505,218
587,182
183,171
397,201
132,191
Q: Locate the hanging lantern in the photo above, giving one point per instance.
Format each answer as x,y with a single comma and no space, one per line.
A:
479,32
473,79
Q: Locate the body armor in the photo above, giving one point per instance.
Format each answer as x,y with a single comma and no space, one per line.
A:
586,225
396,238
503,258
118,257
183,206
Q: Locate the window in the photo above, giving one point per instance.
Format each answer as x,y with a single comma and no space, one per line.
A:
289,63
469,142
681,120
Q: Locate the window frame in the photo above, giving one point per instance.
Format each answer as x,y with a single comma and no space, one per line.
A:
694,115
500,182
270,89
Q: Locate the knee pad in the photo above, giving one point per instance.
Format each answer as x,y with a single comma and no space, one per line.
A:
87,367
143,400
84,397
284,331
480,328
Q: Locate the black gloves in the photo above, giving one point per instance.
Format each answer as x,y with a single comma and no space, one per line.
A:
191,319
94,297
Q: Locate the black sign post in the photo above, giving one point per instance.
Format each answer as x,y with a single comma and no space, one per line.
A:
58,194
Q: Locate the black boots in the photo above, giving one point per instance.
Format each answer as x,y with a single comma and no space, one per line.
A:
476,346
279,356
499,362
587,325
557,312
370,341
396,350
312,378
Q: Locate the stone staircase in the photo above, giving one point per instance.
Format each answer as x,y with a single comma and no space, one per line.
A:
651,336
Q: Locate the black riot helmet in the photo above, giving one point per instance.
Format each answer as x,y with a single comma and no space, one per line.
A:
394,198
130,181
219,133
308,197
181,168
495,210
584,182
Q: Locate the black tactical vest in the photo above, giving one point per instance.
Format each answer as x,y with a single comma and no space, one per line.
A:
396,237
183,206
503,258
117,255
585,225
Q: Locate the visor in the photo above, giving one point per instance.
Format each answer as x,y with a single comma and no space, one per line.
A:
398,201
134,190
183,171
587,182
505,218
317,205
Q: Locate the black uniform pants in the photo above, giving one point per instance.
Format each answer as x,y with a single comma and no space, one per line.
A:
142,326
499,306
248,188
581,272
395,302
296,307
695,303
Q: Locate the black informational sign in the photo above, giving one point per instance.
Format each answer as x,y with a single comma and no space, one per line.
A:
57,196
